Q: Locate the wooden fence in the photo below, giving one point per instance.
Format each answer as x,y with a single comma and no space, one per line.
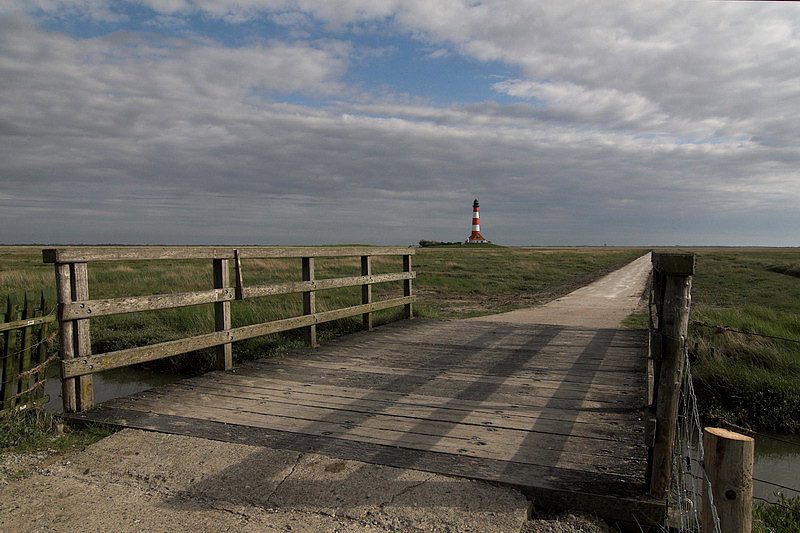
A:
670,299
24,327
75,308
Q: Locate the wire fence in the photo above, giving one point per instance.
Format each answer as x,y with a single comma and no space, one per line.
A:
686,499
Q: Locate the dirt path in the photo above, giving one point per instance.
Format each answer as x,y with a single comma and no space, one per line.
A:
602,304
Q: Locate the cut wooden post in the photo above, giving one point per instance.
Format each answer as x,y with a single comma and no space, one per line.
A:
673,327
66,345
409,311
366,290
222,315
309,301
728,464
10,355
83,339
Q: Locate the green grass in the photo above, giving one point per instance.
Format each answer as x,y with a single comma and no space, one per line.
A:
35,430
748,380
779,518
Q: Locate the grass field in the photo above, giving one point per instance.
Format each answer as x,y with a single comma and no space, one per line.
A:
743,378
451,282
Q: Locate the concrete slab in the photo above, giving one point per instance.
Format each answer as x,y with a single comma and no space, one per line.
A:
137,480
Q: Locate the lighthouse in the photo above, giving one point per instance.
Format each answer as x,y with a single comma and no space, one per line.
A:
475,237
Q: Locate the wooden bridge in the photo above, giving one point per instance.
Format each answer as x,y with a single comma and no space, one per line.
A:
565,414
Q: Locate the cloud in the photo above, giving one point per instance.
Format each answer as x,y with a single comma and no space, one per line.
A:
653,122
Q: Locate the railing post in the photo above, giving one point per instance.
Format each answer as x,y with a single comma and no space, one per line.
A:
673,325
66,345
409,311
366,290
83,339
222,315
309,301
728,464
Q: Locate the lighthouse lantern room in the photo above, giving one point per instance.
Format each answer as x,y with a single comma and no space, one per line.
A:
475,237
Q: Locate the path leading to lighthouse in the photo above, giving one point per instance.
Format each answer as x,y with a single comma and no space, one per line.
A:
602,304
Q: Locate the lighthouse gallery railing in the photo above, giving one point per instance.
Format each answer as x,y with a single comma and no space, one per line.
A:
75,308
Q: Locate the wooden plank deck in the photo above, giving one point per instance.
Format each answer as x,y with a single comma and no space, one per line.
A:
551,410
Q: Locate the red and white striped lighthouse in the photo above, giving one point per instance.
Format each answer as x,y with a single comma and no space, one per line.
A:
475,237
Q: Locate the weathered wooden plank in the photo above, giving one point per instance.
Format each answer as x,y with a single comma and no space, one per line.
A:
489,429
133,304
395,431
84,392
584,425
612,497
71,367
26,349
272,386
323,284
17,324
546,388
511,396
82,254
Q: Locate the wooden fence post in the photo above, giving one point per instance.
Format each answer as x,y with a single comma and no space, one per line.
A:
83,339
309,301
222,315
409,311
66,346
366,290
673,325
728,464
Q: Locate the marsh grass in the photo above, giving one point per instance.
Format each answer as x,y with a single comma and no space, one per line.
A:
36,430
746,379
777,518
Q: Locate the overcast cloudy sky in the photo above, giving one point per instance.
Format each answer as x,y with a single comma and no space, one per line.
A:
378,121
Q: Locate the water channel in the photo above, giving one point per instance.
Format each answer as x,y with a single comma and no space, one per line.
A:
777,458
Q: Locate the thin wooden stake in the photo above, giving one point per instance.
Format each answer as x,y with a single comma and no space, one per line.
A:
10,355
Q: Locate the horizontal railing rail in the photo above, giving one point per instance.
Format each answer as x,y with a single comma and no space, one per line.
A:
75,308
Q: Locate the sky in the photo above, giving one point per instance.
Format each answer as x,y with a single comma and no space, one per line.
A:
638,123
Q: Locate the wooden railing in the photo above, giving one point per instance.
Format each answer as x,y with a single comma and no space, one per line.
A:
24,328
75,308
670,300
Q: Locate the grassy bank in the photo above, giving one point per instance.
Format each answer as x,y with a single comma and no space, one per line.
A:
456,281
748,379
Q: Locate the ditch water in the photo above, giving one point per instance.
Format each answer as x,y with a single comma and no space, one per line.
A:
777,458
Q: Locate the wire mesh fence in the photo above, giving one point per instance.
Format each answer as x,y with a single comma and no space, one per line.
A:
690,489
